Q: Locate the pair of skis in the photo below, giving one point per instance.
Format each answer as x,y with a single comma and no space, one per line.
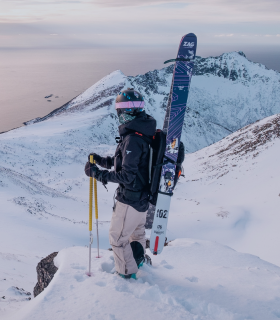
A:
172,127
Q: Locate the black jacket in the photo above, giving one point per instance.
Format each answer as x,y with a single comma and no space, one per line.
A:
131,156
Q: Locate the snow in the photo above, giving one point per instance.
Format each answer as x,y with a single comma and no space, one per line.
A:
231,192
191,279
229,197
108,81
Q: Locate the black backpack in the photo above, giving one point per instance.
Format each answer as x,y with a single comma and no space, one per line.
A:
157,150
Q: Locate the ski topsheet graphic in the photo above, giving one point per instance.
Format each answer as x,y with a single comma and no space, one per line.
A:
173,124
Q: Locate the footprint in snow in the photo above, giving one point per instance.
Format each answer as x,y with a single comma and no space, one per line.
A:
101,284
192,279
107,266
78,267
166,265
80,277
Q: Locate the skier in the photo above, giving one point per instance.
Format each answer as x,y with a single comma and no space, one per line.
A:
131,172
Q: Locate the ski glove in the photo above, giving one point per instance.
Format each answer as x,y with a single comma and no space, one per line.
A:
106,163
91,170
96,158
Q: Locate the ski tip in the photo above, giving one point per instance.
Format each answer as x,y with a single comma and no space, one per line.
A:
189,35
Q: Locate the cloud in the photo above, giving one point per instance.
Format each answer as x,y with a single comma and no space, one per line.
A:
211,11
224,35
99,3
239,5
128,3
129,21
39,2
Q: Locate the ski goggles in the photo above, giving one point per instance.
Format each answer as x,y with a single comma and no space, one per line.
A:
130,105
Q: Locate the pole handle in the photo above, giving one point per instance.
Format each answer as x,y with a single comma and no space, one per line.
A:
95,199
96,215
90,197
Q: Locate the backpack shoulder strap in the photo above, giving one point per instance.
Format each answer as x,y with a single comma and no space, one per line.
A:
149,141
144,137
139,175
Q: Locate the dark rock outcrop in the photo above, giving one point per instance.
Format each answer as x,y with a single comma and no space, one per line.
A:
45,272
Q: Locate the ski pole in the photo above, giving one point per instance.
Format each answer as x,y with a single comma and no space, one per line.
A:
96,215
90,217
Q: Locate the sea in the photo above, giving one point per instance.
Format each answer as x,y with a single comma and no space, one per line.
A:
35,81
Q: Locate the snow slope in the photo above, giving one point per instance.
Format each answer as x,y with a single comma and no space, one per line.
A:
231,192
44,194
191,279
229,195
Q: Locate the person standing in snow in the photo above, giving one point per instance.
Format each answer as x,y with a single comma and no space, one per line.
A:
131,172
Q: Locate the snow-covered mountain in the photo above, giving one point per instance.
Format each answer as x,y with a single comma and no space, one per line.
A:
227,93
230,193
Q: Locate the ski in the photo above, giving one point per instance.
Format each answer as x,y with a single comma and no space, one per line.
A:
172,126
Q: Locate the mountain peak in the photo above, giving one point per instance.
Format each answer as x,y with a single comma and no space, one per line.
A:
242,54
227,93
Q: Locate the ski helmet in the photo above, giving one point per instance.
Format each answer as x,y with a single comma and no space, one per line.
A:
129,102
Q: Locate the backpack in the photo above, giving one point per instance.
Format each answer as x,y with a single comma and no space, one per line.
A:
157,150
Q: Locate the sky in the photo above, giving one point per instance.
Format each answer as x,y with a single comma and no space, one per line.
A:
82,23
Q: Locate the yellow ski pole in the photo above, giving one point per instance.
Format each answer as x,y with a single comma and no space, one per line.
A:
90,216
96,215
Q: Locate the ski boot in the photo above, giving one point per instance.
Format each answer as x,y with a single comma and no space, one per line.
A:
127,276
138,254
145,259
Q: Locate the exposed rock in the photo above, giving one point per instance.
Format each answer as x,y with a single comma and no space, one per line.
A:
252,137
45,272
17,294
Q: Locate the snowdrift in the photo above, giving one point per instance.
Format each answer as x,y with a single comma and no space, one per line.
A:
191,279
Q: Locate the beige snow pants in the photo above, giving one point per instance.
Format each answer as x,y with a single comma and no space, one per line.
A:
127,225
